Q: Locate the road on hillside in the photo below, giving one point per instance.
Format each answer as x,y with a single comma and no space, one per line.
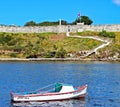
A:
105,43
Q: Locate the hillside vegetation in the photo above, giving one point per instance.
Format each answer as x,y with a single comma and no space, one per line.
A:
49,45
112,51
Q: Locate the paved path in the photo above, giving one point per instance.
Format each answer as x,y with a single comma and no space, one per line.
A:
105,43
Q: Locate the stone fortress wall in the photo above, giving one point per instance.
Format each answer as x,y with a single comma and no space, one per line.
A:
61,28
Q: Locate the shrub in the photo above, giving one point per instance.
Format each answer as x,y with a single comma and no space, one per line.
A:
13,55
61,53
107,34
87,33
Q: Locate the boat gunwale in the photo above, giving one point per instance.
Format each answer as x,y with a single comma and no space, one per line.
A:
49,94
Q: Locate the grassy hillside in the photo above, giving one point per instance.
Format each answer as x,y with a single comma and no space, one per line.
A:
47,45
113,50
42,45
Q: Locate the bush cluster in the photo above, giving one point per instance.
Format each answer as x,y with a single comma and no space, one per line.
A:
107,34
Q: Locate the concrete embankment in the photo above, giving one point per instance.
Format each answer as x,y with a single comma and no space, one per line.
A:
41,59
57,59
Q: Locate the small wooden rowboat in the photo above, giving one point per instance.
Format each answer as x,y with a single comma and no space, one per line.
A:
61,92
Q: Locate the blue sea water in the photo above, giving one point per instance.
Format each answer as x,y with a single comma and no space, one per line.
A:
103,79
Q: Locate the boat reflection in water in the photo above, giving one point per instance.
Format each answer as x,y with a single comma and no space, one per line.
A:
66,103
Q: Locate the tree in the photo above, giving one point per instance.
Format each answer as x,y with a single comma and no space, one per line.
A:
83,19
63,22
86,20
31,23
47,23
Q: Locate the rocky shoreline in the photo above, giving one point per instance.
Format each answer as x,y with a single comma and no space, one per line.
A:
57,59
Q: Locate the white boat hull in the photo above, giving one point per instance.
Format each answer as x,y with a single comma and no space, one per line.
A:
50,96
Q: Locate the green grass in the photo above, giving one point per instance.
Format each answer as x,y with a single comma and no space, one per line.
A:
26,44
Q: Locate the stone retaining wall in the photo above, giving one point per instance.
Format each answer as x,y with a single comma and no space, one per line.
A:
61,28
